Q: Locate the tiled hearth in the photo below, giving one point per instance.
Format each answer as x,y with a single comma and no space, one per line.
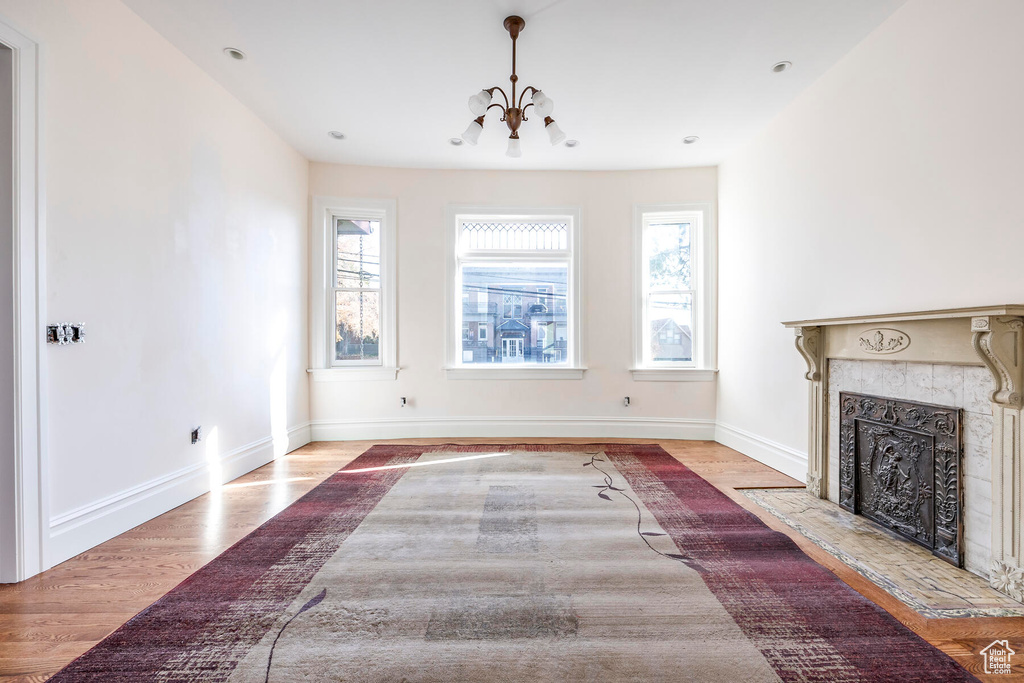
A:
928,585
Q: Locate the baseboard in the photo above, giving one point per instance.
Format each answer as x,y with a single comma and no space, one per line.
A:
783,458
483,427
78,530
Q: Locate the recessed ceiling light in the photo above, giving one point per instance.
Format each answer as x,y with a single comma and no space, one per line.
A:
455,142
337,135
572,143
234,53
690,139
781,66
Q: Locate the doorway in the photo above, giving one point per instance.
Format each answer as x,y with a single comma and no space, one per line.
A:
24,506
8,445
512,350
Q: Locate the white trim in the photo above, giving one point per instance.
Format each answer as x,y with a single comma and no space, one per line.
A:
356,374
29,503
321,276
521,372
673,375
705,319
776,455
528,427
104,519
452,328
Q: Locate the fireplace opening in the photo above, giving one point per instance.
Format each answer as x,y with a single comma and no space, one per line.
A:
899,465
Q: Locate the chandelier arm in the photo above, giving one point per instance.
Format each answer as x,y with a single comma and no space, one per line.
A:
523,94
498,105
498,88
528,105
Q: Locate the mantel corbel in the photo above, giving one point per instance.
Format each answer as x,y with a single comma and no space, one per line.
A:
809,344
999,341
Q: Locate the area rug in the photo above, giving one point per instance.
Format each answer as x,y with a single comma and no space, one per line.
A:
602,562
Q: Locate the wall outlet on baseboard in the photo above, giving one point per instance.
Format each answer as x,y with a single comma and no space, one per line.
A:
197,435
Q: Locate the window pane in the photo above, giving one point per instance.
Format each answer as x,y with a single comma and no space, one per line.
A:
522,305
667,249
358,244
671,317
357,334
531,236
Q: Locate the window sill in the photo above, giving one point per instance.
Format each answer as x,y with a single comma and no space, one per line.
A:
514,373
354,374
673,375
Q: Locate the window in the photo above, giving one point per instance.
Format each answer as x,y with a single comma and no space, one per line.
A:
512,305
674,315
519,270
356,292
354,307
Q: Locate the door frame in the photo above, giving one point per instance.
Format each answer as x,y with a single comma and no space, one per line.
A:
25,498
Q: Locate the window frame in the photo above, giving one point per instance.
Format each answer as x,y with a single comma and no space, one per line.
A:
326,211
456,215
703,249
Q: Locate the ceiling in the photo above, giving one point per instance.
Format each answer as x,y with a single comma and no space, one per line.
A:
629,79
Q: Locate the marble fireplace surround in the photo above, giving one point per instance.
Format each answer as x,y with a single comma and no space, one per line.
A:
985,347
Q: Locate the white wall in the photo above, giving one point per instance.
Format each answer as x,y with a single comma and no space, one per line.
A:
438,406
176,231
892,184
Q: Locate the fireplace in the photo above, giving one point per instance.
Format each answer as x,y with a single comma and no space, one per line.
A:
899,465
970,358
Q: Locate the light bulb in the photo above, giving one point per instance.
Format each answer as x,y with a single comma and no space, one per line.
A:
555,133
473,130
479,102
514,150
542,104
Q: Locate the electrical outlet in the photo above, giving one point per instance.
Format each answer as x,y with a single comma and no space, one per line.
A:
197,435
401,402
625,401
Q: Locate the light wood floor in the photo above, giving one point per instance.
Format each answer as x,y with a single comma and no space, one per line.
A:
49,620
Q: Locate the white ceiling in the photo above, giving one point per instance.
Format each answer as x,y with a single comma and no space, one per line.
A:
629,79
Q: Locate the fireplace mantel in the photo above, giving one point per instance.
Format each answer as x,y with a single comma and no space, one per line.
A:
990,336
1004,309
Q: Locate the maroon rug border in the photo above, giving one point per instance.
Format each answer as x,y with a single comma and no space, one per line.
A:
875,645
137,650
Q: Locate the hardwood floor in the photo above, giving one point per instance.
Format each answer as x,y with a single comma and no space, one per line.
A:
48,620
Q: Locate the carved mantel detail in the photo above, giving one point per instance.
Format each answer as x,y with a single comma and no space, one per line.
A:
808,343
884,340
1007,579
1000,344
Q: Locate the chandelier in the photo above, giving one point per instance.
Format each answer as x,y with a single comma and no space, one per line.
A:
513,113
